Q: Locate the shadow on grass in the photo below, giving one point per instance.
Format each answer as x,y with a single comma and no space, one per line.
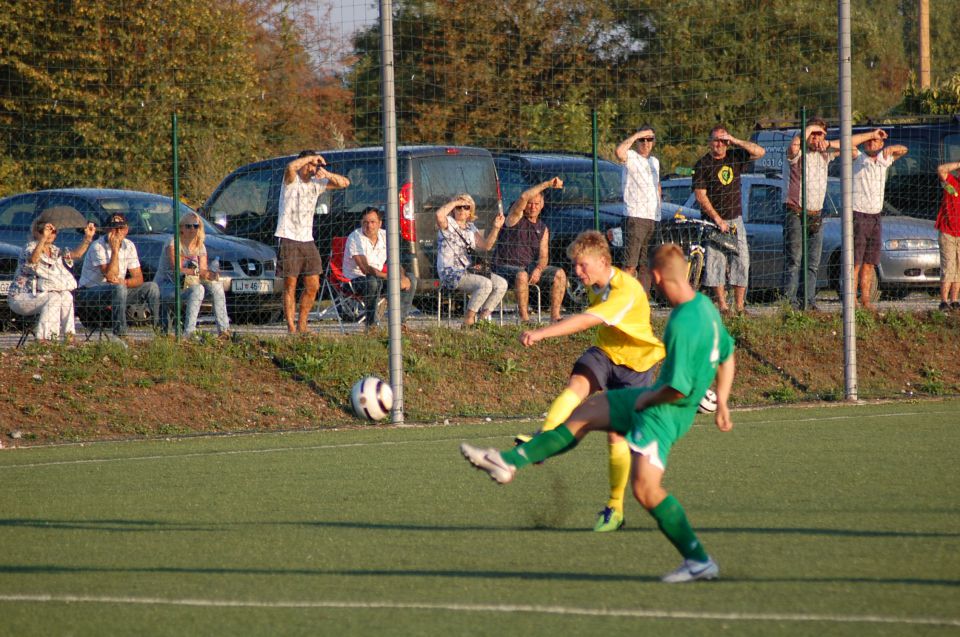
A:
383,526
115,525
53,569
111,525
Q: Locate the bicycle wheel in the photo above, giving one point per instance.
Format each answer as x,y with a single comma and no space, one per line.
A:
695,268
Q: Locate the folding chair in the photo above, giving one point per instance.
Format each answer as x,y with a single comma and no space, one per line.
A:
346,303
95,319
25,325
446,294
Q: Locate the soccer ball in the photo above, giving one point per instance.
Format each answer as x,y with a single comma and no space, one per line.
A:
372,398
708,404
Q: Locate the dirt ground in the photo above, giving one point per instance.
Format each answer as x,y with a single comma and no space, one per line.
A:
90,392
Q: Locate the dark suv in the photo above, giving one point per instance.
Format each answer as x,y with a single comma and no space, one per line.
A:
246,203
569,211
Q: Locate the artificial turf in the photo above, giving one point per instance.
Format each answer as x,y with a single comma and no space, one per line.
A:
828,520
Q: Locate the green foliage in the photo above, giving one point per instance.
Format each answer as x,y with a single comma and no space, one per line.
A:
932,381
783,394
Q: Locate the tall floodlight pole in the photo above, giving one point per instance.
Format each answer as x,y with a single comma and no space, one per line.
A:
846,179
393,207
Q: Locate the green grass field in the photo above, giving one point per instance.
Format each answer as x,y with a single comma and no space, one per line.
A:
829,521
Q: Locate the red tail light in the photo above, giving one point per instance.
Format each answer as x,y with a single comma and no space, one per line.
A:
408,229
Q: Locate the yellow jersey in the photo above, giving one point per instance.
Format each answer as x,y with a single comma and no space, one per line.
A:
626,335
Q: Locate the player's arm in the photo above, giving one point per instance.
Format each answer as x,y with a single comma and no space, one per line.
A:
945,169
725,373
662,395
572,325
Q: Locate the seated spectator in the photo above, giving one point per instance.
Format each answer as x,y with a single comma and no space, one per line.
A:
458,240
523,251
198,279
42,284
111,276
364,263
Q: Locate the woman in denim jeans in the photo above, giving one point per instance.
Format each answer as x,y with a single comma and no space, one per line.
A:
198,279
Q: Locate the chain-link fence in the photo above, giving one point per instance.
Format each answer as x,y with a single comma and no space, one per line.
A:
492,98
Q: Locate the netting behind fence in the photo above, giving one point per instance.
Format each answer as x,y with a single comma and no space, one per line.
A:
492,98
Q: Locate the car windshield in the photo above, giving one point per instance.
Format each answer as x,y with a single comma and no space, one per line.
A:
578,187
148,215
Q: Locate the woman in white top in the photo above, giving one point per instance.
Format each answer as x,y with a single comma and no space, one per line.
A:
198,279
458,240
43,283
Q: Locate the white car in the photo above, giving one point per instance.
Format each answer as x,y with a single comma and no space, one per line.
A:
909,256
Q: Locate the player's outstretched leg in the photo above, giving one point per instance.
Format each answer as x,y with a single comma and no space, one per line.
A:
489,460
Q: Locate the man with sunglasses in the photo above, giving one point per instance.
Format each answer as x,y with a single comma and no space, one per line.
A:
641,198
716,184
111,275
811,169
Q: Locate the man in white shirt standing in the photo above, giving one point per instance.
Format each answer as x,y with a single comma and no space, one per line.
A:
641,196
869,181
364,261
304,180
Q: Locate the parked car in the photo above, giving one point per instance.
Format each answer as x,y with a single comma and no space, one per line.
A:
909,256
246,203
9,254
912,184
247,268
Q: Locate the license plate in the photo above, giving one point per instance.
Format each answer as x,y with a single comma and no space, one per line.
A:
5,287
252,286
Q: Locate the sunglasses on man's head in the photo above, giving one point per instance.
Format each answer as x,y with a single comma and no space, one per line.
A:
649,140
720,141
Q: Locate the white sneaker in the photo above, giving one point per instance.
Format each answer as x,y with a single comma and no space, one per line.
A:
489,460
691,570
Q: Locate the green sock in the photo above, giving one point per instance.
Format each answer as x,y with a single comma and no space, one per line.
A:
543,445
673,523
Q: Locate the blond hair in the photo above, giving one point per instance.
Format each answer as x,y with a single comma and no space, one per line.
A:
473,205
670,262
590,242
201,236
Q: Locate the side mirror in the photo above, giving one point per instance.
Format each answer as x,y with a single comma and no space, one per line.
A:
220,219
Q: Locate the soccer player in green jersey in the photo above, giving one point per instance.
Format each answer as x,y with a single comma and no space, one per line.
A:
698,349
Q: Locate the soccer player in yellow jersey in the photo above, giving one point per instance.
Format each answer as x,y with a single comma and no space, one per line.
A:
624,354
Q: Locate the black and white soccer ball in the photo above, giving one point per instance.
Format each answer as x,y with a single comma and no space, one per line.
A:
372,398
708,404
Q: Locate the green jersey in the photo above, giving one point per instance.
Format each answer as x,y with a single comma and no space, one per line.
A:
696,342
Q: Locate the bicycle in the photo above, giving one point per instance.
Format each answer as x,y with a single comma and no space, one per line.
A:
692,236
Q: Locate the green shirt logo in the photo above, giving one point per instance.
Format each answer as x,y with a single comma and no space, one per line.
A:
725,175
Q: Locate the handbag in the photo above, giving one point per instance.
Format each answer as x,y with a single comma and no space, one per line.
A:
479,261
